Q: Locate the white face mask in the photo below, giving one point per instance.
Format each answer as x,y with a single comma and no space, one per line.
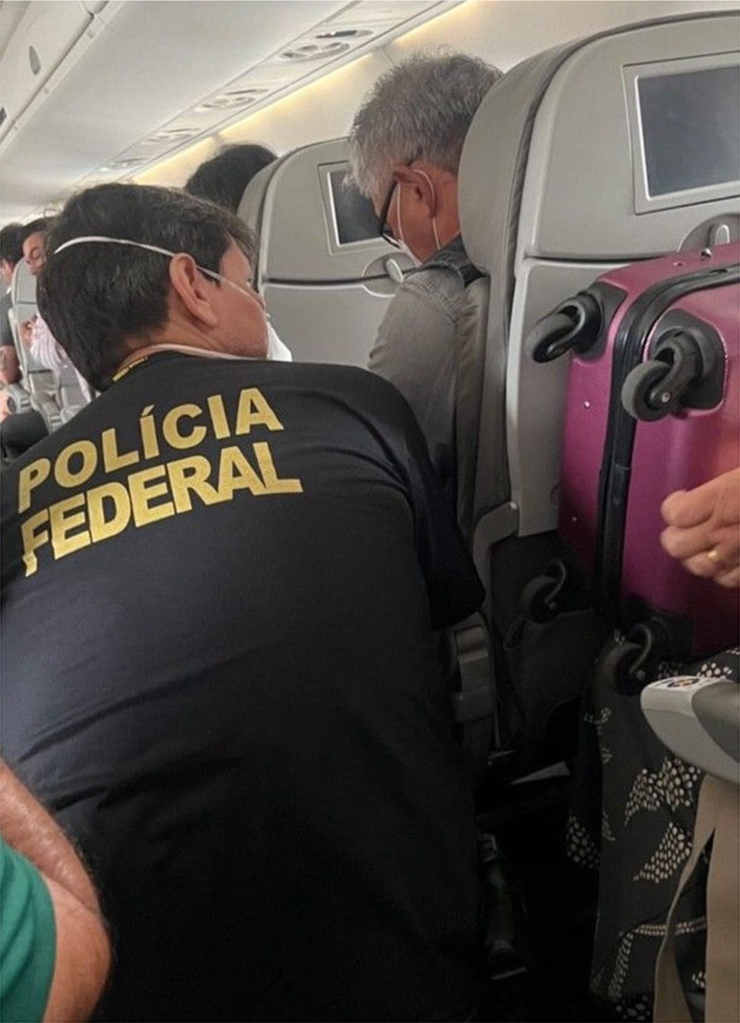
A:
403,247
276,350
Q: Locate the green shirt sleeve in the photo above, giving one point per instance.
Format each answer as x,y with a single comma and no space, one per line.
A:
27,939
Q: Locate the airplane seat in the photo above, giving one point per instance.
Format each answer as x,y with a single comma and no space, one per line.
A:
471,349
70,394
56,396
253,200
18,396
573,164
324,272
697,717
33,376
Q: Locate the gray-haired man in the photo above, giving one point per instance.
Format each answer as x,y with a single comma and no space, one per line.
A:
405,146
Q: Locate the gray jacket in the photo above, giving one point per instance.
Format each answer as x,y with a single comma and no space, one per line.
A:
415,347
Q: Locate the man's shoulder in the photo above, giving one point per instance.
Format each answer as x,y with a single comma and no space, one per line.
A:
442,279
327,372
438,290
363,395
348,381
454,258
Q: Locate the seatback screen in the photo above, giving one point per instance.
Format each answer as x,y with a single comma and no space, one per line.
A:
354,215
690,128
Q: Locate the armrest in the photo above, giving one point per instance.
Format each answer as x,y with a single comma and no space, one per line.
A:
699,720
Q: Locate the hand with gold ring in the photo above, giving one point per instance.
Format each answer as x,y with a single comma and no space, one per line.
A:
703,528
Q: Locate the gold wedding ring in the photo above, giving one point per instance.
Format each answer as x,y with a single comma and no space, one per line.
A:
713,555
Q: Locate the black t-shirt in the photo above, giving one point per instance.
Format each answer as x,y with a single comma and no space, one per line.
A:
220,581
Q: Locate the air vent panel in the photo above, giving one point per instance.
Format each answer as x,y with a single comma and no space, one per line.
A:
313,51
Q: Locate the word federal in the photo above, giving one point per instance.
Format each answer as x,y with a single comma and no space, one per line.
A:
147,495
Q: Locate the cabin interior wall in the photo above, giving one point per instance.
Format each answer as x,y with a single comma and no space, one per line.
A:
503,32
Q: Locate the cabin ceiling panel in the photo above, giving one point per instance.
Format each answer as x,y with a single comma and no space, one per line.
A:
11,12
144,80
125,79
355,30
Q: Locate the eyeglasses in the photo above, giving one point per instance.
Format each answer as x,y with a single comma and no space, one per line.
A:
384,228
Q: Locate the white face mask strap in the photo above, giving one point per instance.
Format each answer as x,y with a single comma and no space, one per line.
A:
436,235
112,241
424,174
398,215
149,248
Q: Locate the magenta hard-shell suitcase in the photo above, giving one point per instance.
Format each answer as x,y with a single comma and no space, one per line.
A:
653,406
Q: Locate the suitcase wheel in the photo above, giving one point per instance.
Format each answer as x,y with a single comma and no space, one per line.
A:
574,326
664,384
557,589
645,394
633,664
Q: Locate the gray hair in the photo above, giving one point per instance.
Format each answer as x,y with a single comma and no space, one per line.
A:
420,109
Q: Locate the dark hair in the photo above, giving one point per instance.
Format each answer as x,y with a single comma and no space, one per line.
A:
94,296
223,178
39,226
11,246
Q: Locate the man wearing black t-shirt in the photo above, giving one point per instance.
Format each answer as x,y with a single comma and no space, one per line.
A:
220,583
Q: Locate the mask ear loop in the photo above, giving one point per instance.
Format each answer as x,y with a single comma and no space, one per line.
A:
213,274
398,214
115,241
434,196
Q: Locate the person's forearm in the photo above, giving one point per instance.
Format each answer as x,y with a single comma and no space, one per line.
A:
30,830
82,959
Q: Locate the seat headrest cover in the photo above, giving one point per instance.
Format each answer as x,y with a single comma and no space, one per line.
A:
495,153
251,205
497,148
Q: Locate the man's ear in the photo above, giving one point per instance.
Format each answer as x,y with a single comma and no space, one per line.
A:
190,286
419,184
